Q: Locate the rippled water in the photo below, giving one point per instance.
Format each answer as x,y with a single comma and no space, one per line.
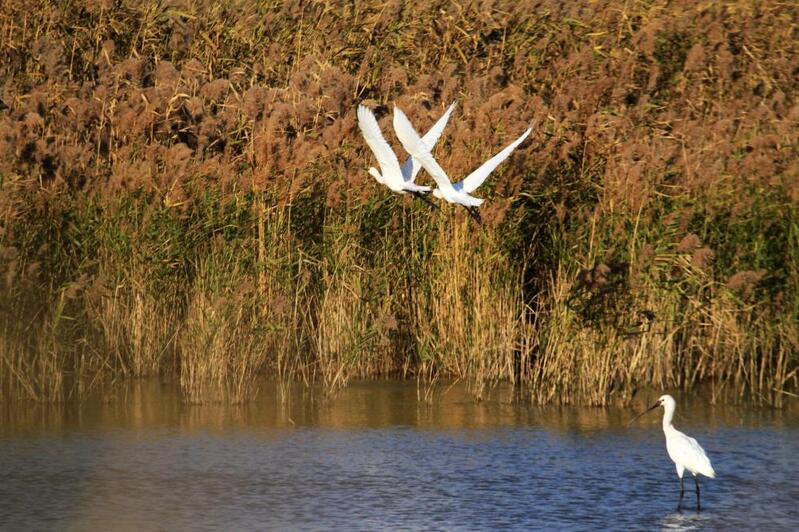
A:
375,458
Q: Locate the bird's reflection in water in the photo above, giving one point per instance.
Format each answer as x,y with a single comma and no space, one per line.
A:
685,520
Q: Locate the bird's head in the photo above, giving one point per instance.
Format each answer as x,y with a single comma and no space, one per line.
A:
664,400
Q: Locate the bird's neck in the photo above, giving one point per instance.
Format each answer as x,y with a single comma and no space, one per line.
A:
668,415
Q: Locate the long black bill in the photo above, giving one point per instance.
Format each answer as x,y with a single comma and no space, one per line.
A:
654,406
422,196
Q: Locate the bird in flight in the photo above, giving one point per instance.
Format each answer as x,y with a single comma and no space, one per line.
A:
684,451
398,178
460,192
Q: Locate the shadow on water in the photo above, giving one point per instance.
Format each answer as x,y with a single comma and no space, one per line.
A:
375,457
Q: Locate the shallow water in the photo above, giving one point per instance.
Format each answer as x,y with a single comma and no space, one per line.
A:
374,457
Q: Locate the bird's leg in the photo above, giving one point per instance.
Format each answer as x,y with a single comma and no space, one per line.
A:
475,214
682,493
698,506
422,196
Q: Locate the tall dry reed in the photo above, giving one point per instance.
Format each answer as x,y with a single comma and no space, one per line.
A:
183,193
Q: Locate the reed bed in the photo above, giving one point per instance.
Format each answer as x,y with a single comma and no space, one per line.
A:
183,194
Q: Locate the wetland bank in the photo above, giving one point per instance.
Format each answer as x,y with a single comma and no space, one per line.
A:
183,195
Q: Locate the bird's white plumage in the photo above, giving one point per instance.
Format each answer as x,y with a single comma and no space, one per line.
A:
411,166
399,179
389,164
476,178
421,151
684,451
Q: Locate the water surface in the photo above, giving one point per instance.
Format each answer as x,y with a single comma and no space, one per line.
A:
374,457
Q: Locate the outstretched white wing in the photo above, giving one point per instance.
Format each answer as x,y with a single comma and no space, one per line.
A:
411,168
414,145
476,178
386,158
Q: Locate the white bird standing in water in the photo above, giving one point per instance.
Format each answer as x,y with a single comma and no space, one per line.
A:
459,192
399,179
684,451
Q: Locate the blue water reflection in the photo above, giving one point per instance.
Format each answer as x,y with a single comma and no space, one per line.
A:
373,458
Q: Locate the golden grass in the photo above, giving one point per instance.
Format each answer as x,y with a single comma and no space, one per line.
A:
471,317
219,344
701,333
183,193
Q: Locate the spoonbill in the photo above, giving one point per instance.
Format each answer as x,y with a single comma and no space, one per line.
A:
399,179
684,451
460,192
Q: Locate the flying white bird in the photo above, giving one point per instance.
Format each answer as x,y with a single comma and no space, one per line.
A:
459,192
399,179
684,451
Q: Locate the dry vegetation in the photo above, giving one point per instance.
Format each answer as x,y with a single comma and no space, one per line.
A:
183,192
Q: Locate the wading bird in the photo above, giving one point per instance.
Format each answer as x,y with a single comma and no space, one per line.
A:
684,451
454,193
399,179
